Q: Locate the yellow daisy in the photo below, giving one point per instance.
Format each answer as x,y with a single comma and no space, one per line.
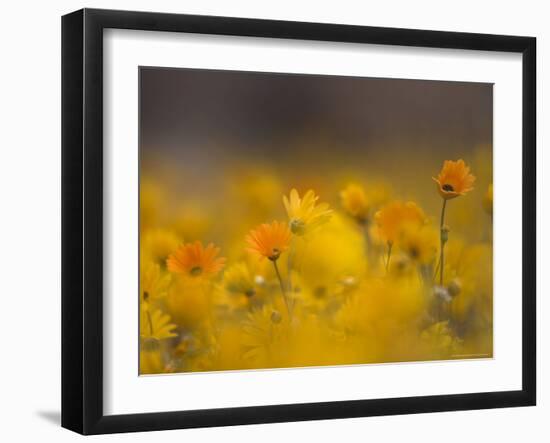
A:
157,244
153,282
355,202
305,214
419,243
154,324
238,279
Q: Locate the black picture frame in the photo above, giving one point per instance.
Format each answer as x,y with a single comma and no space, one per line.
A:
82,221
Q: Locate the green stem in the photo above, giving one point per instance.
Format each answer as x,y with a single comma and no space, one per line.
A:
290,261
282,287
442,243
207,295
368,242
436,270
390,245
150,320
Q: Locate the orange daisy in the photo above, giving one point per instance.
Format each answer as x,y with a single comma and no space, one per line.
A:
397,216
454,179
194,260
269,240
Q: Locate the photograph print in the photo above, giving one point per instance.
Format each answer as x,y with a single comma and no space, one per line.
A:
297,220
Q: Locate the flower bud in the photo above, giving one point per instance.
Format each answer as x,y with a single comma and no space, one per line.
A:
445,234
454,287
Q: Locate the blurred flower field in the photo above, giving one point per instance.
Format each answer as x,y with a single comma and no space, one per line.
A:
282,269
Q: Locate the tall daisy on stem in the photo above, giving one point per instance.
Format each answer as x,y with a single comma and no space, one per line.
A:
453,180
270,241
197,264
305,215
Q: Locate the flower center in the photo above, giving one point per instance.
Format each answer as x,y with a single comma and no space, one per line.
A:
297,226
195,270
320,292
276,317
145,295
275,253
447,187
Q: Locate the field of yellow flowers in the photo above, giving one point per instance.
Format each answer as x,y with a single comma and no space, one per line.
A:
272,274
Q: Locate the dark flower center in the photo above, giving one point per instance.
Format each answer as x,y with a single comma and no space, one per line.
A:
275,253
447,187
145,295
195,270
320,292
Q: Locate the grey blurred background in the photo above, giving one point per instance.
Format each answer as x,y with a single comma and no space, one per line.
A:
187,108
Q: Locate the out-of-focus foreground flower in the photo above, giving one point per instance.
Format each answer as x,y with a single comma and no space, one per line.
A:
194,260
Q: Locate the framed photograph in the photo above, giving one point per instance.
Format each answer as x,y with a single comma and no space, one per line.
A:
269,221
